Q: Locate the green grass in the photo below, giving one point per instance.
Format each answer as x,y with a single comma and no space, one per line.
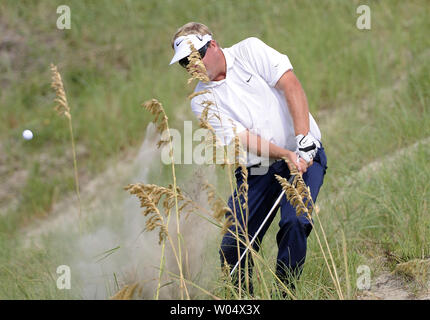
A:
369,91
30,273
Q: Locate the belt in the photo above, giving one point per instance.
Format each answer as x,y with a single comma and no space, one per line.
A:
271,161
257,165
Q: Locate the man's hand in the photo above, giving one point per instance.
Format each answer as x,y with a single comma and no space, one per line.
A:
307,146
299,162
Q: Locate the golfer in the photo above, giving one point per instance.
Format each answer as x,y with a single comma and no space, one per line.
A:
257,95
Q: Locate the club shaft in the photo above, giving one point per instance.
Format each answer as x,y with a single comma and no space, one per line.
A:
258,231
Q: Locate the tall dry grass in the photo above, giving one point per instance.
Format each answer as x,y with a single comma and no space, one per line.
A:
299,195
63,109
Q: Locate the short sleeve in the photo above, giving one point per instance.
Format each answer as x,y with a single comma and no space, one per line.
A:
221,121
266,61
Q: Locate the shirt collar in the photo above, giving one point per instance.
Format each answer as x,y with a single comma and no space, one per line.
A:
229,58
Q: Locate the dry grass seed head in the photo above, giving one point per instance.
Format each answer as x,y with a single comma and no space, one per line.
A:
293,196
62,106
212,140
301,186
196,67
126,292
204,117
227,223
291,166
160,118
240,160
151,196
218,207
198,93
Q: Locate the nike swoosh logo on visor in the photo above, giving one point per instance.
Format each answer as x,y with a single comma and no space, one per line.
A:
179,42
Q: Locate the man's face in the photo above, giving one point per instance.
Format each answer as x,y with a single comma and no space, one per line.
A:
211,60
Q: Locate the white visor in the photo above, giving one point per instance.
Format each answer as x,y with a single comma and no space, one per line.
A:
182,48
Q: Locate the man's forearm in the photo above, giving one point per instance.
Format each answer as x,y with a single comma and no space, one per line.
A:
261,147
296,100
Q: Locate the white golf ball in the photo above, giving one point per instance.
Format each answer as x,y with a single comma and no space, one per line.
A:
27,134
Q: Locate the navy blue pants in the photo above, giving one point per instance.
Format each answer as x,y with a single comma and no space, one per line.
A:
291,238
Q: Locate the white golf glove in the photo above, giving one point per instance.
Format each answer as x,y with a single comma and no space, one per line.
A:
307,146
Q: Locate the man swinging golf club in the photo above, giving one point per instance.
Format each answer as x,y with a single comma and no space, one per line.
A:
258,96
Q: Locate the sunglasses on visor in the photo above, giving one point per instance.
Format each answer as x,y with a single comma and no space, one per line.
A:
184,61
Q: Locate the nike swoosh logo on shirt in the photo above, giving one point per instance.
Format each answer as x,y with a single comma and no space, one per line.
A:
249,78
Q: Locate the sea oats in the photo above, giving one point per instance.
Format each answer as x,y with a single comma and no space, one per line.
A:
204,116
218,206
196,67
240,161
160,117
172,197
126,293
198,93
301,187
149,196
62,106
228,222
293,196
212,140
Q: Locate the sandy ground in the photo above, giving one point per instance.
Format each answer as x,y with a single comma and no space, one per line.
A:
389,286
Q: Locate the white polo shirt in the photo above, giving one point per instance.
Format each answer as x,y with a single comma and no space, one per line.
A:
247,98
